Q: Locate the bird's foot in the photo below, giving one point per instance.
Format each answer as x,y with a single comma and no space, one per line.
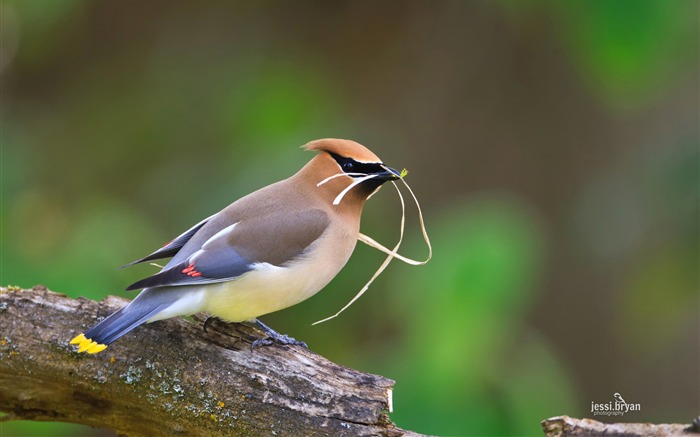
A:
274,337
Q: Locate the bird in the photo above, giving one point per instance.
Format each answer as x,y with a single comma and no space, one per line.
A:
266,251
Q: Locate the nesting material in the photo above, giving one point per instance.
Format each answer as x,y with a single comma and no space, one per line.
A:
392,253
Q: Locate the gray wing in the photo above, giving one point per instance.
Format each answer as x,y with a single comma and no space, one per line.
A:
275,238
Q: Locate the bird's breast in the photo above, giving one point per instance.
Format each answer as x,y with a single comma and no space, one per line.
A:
268,288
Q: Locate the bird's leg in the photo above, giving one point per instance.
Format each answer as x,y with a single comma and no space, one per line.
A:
274,337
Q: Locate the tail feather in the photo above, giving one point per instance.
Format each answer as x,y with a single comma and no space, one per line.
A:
120,323
97,338
146,306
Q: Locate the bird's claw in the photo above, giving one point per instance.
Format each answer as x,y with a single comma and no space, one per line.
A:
275,337
282,339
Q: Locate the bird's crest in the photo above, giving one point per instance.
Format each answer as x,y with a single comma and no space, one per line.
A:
345,148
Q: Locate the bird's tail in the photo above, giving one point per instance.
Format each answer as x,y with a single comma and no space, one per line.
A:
97,338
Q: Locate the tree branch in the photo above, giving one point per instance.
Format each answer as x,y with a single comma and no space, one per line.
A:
173,378
565,426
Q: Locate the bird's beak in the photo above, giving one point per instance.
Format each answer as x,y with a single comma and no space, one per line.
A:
389,174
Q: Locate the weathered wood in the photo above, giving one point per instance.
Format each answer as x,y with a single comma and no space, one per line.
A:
175,378
565,426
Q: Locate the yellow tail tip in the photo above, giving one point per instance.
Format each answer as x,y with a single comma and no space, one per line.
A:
87,345
78,339
96,347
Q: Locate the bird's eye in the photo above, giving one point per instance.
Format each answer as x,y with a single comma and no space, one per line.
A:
347,166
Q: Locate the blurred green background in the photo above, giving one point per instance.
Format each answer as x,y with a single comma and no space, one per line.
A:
554,146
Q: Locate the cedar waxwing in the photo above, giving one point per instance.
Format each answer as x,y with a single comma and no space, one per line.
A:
266,251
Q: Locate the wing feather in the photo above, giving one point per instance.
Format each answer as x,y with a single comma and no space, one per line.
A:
172,247
234,250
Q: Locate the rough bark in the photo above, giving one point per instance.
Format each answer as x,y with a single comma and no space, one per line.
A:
175,378
565,426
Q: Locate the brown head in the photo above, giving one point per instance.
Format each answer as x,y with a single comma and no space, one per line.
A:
346,163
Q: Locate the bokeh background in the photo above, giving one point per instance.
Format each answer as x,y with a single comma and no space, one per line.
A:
553,145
